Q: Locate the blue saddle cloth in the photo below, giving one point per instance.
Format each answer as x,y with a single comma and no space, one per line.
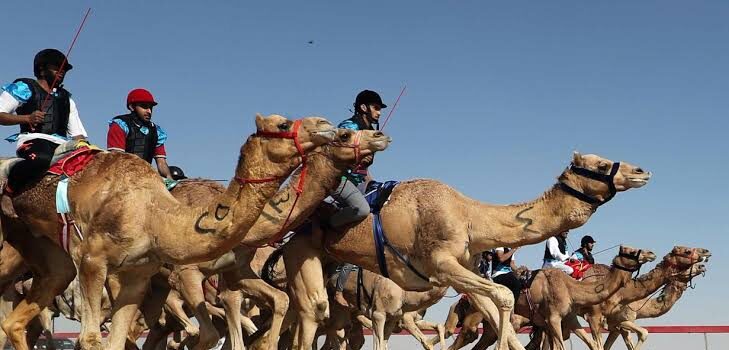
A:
377,194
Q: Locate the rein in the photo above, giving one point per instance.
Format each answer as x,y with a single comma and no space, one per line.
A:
293,135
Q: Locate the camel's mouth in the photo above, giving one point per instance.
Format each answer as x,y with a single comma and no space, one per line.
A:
639,180
380,144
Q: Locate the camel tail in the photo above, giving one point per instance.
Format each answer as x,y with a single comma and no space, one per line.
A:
270,265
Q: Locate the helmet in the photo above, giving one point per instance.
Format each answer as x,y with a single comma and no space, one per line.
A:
368,97
177,173
50,56
140,96
587,240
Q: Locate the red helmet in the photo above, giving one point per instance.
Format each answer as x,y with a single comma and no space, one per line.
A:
140,96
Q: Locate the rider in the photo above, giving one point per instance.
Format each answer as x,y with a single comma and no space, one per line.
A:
136,133
585,251
47,118
555,253
349,194
503,272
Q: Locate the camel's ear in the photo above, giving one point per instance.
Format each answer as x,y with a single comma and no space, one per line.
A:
577,158
259,121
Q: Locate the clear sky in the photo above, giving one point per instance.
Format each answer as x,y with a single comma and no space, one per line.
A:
498,96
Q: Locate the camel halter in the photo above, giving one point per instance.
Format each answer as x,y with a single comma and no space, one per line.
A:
634,257
294,135
608,179
355,146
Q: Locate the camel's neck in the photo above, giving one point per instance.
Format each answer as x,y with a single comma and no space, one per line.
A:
200,234
585,293
516,225
321,178
645,285
414,301
660,305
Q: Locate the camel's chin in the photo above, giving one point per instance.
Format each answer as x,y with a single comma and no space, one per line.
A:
379,145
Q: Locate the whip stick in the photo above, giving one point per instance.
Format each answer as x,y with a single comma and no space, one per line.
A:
63,64
393,107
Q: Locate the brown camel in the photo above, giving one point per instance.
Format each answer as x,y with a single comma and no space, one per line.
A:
132,224
673,264
383,304
553,296
441,231
324,169
623,321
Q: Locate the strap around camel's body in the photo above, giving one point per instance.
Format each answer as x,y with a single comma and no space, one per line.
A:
377,196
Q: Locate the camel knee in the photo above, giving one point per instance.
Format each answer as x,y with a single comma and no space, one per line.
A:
321,311
281,305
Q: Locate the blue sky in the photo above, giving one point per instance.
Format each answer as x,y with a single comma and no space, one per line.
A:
498,96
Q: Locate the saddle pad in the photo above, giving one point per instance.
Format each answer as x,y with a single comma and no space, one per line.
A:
74,162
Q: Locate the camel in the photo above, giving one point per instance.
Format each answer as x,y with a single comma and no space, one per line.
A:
288,209
680,258
383,304
553,297
441,231
132,224
672,266
623,321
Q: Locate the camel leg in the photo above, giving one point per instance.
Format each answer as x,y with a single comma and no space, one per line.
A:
157,335
595,323
469,331
554,324
626,338
612,337
259,290
487,339
483,294
53,270
133,284
642,333
378,329
437,327
364,321
408,322
191,280
232,301
450,323
573,324
174,306
306,283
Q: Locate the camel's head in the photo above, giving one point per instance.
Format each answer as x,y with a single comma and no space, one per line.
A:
286,140
598,179
631,259
682,257
685,276
351,145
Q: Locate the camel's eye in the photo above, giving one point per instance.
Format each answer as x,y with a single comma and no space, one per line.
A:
344,137
284,126
603,167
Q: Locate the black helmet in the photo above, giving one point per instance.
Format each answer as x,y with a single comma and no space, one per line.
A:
50,56
177,173
368,97
587,240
